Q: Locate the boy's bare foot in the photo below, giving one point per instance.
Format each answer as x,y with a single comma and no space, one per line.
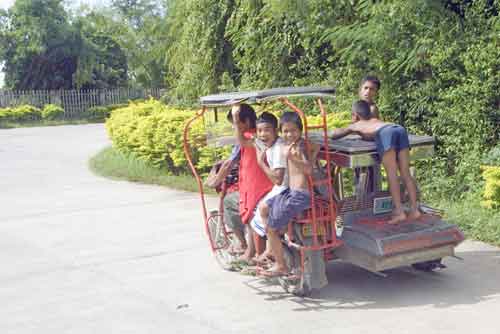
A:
235,250
274,271
246,258
397,218
414,214
264,261
265,256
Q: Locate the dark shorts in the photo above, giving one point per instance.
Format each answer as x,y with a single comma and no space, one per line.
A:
285,206
391,136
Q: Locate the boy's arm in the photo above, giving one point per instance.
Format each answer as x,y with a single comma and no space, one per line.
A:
223,172
342,132
300,159
235,112
374,111
314,153
275,175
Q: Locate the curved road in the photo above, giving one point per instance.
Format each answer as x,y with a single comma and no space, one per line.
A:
83,254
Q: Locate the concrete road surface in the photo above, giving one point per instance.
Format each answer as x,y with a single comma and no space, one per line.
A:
83,254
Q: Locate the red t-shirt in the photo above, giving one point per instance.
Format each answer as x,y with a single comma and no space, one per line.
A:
253,182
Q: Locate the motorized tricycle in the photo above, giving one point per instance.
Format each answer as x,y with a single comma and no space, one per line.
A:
348,219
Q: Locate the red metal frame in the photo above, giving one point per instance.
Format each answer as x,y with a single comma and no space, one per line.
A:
187,152
324,212
319,213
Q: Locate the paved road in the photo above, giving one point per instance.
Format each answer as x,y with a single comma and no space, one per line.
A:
83,254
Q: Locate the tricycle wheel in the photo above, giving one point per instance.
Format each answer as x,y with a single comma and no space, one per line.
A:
222,242
294,283
429,266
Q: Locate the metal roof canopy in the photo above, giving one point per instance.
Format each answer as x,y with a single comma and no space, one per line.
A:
257,96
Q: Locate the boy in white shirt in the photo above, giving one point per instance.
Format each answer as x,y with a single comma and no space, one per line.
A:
272,160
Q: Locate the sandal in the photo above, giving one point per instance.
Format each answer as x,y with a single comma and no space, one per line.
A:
265,263
271,273
235,251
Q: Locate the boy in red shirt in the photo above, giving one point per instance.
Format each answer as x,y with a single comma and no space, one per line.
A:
253,182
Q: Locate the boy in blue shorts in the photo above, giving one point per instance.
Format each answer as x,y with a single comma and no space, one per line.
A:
279,210
393,150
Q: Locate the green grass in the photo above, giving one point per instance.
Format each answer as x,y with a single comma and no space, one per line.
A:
112,164
30,124
476,222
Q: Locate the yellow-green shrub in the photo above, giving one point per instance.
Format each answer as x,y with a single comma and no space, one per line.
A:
491,195
20,114
333,120
52,111
153,132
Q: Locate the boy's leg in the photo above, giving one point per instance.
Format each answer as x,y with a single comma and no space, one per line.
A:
280,267
259,242
250,250
232,216
391,167
264,214
404,171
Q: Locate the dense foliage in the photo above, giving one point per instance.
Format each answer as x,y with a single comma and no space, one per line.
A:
439,62
48,45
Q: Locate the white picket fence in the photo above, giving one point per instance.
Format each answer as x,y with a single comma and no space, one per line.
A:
75,102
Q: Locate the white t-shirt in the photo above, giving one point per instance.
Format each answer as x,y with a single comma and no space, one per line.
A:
275,156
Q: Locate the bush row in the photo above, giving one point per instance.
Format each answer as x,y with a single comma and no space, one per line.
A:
27,113
153,132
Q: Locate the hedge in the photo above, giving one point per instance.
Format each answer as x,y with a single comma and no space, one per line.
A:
52,112
20,114
153,132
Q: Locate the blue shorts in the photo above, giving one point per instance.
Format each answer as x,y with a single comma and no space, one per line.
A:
285,206
391,136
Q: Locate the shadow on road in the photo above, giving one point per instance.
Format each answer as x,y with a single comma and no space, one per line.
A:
471,281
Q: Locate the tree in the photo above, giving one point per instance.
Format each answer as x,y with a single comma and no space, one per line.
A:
46,49
143,37
198,53
102,63
40,46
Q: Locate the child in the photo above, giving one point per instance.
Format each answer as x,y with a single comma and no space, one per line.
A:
368,89
280,209
393,149
224,177
253,182
272,161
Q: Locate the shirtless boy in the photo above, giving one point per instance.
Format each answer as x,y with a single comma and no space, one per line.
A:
282,208
393,149
368,90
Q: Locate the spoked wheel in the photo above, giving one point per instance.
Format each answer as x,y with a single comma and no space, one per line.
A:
294,283
222,242
429,266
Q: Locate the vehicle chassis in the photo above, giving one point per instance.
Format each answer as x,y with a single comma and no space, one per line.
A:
353,229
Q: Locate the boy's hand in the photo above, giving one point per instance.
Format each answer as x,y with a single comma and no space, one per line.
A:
235,110
292,152
225,167
261,156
